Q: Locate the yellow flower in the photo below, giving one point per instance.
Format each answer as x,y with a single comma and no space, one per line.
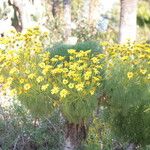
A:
92,92
39,79
55,90
13,70
27,86
95,60
96,79
27,71
143,71
71,58
130,75
9,80
71,51
87,75
54,59
71,85
45,70
65,81
124,58
1,79
79,87
22,81
13,92
60,58
42,64
63,93
71,73
44,87
100,56
31,76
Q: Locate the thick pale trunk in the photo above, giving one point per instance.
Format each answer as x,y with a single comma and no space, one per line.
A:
74,135
90,11
128,17
94,15
86,9
67,18
24,12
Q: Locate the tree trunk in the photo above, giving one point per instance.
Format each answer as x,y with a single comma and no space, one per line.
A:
94,15
67,18
128,17
55,8
86,9
74,135
23,9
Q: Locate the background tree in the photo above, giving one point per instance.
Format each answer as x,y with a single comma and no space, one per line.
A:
67,18
128,17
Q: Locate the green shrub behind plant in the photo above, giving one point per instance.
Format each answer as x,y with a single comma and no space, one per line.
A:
62,49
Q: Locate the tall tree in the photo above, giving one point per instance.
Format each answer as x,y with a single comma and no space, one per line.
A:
23,10
67,18
94,7
90,11
55,7
85,10
128,17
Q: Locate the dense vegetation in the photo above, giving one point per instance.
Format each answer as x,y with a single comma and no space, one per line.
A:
67,83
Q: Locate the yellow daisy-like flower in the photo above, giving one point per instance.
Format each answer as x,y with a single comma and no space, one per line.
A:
13,70
92,92
65,81
71,85
124,58
130,75
27,86
55,90
42,64
95,60
22,81
39,79
60,58
44,87
1,79
13,92
27,71
31,76
63,93
87,75
9,80
71,51
79,87
143,71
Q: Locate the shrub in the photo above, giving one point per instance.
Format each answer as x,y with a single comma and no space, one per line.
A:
127,74
43,83
62,49
127,84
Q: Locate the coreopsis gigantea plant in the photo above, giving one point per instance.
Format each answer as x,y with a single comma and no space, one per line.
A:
128,73
42,82
127,85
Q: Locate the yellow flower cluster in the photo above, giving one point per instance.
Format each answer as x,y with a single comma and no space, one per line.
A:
26,68
134,57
